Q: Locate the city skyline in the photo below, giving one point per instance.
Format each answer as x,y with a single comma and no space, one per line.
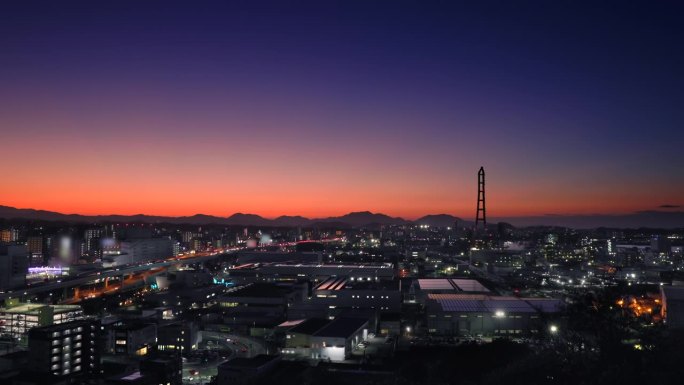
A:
323,110
345,192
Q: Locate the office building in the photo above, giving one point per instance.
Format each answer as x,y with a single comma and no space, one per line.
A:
34,245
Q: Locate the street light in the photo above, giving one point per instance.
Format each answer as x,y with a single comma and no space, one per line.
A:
553,329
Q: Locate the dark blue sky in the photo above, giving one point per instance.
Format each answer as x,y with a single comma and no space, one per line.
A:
573,107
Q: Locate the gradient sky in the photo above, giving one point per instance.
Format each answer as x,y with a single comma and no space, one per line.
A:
320,108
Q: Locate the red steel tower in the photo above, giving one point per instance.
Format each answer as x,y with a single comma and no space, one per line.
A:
481,215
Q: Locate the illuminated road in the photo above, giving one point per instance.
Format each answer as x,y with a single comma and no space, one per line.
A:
122,271
133,274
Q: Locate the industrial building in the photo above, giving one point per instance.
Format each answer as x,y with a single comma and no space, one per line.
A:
672,309
348,293
421,288
242,371
324,339
316,272
485,315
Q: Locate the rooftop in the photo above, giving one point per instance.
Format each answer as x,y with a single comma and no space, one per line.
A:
35,308
264,290
491,304
346,283
441,284
342,327
310,326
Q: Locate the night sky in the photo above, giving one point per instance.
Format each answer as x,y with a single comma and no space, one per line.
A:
320,108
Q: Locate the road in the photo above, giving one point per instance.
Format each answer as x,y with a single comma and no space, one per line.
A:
199,372
96,275
147,267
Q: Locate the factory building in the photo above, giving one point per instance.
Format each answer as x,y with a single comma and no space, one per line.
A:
324,339
348,293
672,310
490,316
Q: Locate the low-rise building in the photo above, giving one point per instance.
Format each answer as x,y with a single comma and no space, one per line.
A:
18,318
329,340
133,339
347,293
244,371
421,288
672,309
479,314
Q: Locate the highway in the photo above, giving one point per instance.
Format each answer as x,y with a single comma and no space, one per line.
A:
141,270
156,267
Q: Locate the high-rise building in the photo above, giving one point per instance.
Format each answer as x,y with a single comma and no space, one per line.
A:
611,246
34,245
9,235
67,350
14,262
196,245
187,236
91,239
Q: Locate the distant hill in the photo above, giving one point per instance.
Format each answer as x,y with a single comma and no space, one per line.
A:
438,220
291,221
355,219
247,220
652,219
362,218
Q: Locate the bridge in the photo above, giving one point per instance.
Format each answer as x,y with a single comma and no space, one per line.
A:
127,275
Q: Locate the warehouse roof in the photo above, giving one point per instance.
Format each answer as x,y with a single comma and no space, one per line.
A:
485,303
342,327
